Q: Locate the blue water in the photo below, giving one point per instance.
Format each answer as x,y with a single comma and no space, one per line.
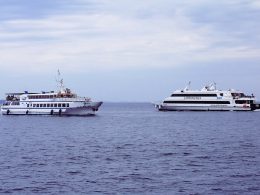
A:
131,149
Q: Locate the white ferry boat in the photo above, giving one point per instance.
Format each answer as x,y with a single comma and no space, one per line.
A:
63,102
208,99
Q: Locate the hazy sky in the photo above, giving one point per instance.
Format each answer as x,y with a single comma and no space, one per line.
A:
129,50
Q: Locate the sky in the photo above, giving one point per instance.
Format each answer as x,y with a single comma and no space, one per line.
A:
129,50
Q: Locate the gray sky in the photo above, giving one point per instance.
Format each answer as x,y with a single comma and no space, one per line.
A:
129,50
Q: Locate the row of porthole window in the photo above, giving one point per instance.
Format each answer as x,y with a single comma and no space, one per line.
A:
42,96
61,105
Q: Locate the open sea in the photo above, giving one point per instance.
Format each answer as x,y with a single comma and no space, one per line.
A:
130,148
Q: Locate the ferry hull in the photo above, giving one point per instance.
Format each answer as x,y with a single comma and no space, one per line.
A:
200,108
72,111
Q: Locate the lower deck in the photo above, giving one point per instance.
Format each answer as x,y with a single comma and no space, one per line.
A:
162,107
69,111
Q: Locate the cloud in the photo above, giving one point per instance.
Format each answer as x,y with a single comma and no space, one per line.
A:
101,35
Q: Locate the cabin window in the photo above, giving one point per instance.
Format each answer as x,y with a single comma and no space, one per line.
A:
68,105
16,103
38,105
51,105
48,105
193,95
59,105
63,105
28,105
44,105
244,101
196,102
221,94
55,105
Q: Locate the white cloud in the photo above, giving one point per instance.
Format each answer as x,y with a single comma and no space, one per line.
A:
109,38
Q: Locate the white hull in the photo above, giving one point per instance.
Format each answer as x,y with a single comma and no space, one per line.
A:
199,108
72,111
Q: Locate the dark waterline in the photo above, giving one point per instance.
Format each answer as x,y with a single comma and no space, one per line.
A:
131,148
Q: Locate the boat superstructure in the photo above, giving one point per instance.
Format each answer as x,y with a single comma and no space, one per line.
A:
62,102
208,99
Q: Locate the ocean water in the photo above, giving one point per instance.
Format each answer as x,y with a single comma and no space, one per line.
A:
130,148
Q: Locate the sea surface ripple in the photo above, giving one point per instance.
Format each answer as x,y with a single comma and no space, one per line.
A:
130,148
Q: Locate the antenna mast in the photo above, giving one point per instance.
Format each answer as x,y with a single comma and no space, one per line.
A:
60,84
187,88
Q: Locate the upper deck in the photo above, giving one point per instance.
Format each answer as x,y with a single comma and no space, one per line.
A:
210,92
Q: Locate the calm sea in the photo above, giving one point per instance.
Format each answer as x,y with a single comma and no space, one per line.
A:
130,148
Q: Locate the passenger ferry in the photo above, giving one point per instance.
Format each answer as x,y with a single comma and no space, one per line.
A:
63,102
208,99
